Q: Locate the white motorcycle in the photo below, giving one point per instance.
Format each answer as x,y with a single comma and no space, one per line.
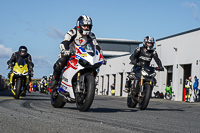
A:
77,82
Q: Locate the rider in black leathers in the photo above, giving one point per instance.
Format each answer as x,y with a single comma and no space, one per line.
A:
142,56
21,53
78,35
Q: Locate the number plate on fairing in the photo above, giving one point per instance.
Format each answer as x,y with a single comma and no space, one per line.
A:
83,55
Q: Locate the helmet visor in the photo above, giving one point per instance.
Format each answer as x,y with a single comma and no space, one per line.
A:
23,52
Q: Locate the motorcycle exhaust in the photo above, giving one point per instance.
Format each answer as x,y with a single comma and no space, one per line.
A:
65,97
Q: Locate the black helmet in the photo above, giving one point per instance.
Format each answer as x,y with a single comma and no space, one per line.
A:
23,51
45,77
84,20
148,39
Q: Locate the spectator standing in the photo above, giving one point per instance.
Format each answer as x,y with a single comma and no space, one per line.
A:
188,89
112,89
195,87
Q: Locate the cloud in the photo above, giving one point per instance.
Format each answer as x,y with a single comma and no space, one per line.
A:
41,61
55,33
194,8
5,52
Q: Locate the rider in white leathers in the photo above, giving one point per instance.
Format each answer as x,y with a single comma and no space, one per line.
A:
76,36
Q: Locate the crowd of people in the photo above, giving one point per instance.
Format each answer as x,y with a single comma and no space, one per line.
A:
40,85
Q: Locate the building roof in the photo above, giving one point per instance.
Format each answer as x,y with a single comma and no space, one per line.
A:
112,40
178,34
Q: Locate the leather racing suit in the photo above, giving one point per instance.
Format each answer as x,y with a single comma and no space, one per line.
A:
72,37
142,57
16,57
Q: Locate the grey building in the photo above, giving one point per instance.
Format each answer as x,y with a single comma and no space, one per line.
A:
180,57
117,53
117,47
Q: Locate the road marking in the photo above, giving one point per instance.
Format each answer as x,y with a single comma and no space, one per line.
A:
6,98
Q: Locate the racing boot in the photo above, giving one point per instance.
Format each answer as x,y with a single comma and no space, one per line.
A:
127,85
54,83
130,77
58,66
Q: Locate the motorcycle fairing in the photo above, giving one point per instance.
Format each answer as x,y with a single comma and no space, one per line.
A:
73,67
20,69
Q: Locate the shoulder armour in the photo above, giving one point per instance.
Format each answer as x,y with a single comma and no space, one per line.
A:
72,32
15,53
137,49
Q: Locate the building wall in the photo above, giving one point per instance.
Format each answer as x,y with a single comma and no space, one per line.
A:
115,47
116,69
178,51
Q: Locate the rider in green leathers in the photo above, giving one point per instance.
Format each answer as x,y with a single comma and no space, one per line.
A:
168,90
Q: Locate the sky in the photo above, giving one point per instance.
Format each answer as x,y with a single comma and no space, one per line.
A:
41,24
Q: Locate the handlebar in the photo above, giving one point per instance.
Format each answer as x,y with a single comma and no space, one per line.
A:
159,69
9,67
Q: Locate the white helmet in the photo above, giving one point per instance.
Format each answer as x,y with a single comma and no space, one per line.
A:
84,20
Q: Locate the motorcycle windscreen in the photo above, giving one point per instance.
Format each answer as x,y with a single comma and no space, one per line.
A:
21,62
90,48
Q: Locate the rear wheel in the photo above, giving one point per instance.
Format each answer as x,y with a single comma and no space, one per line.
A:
18,88
56,102
84,100
130,102
144,101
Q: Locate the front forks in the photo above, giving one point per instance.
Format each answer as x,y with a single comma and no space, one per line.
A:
80,83
141,86
78,90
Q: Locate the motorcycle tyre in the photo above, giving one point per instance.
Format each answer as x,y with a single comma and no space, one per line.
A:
130,102
56,102
90,82
143,105
18,88
168,97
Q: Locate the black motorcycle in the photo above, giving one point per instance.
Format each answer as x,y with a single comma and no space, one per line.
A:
141,87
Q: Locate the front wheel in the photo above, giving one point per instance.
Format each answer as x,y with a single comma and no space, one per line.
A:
18,88
168,96
84,100
144,100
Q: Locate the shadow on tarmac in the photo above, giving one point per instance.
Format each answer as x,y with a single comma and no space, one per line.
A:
105,110
6,93
111,110
157,109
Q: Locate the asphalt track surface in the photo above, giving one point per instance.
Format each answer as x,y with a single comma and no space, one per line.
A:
34,114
